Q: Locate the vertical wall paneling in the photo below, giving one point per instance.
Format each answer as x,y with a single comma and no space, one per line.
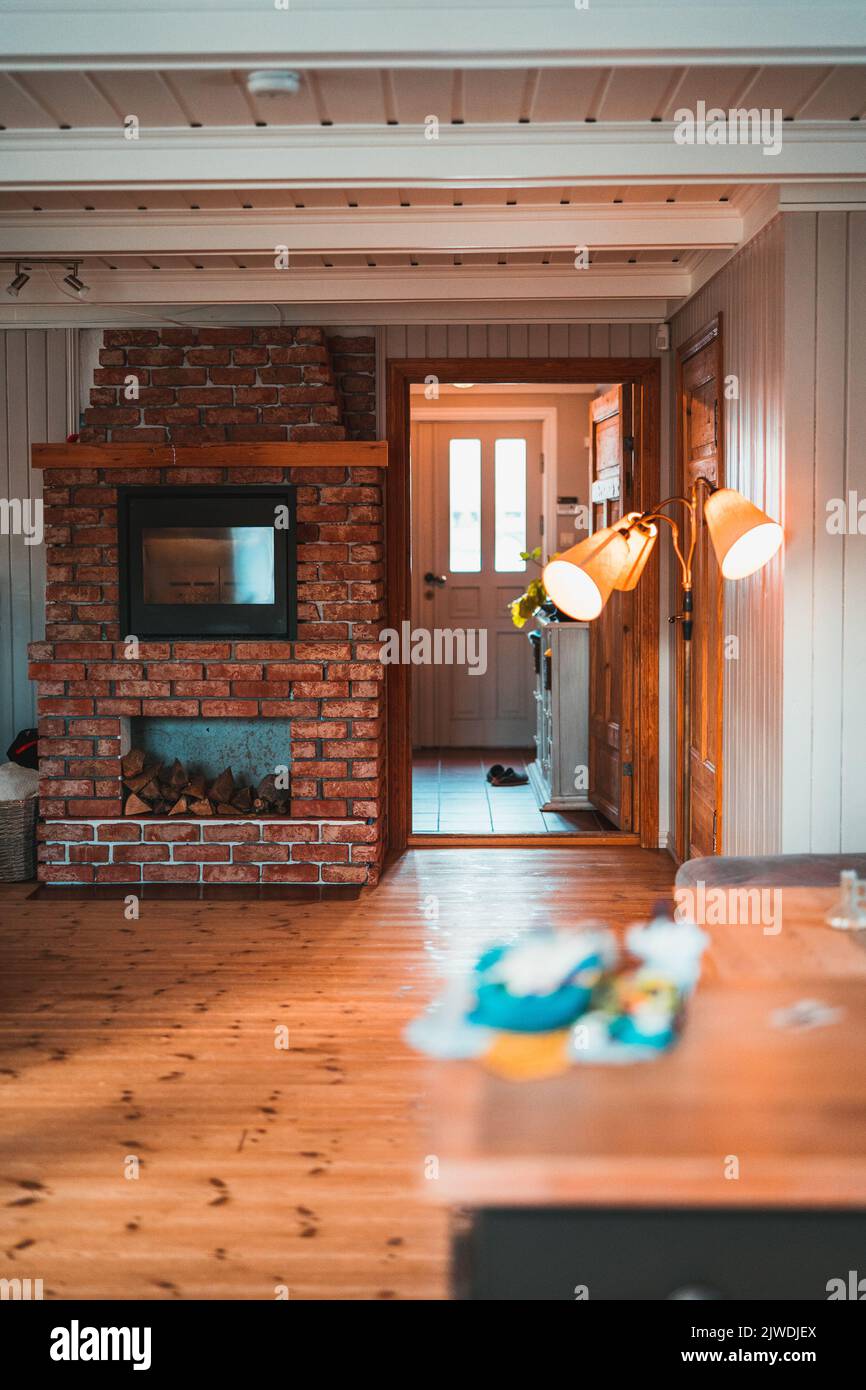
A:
749,293
824,803
34,408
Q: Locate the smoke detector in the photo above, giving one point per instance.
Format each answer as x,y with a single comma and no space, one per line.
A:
273,83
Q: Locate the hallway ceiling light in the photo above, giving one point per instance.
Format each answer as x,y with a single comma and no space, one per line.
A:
18,282
270,83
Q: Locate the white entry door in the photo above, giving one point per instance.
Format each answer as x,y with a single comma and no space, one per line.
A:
476,503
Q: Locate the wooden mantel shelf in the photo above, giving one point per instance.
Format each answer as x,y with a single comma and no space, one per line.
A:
328,454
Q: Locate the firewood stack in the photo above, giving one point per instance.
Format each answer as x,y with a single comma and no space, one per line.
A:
153,788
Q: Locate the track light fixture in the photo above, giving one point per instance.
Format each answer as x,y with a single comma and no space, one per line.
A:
74,282
23,269
18,282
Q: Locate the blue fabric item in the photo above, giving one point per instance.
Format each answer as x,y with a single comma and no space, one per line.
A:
497,1007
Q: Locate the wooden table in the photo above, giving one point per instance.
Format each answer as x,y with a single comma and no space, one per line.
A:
736,1162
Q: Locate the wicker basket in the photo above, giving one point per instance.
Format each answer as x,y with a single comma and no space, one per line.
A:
18,839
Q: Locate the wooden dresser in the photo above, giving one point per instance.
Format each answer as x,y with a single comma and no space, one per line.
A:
560,772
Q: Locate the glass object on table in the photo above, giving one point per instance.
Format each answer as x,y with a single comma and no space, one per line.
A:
849,912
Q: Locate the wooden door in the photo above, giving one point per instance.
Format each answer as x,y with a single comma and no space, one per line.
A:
700,454
476,501
611,652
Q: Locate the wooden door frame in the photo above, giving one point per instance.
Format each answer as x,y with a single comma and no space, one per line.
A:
643,375
711,332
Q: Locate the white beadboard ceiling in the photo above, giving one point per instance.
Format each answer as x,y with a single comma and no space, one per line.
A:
190,98
555,132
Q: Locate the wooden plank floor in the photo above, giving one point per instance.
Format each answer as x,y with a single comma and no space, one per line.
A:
258,1166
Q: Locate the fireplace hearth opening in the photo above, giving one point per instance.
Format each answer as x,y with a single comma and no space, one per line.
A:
206,562
203,768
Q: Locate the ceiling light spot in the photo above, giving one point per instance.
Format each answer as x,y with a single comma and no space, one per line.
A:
273,82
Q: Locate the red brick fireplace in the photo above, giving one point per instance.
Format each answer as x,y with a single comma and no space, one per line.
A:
326,686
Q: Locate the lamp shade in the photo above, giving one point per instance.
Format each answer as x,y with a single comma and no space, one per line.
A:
641,538
744,538
581,579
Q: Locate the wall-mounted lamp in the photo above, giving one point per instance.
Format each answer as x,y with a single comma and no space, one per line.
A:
581,580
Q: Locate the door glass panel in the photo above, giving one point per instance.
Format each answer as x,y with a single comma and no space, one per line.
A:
464,505
510,504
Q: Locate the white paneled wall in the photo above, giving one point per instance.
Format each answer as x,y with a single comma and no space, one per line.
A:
749,293
825,574
36,405
558,340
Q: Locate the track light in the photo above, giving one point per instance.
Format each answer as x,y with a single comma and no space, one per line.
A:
17,284
74,283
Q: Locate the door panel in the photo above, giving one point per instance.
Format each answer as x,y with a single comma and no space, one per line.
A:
470,538
612,633
701,454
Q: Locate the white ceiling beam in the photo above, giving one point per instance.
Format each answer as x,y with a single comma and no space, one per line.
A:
412,33
514,285
66,313
494,156
374,230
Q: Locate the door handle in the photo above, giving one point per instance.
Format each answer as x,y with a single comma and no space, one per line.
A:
440,580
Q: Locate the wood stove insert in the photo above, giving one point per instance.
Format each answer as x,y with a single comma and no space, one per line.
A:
203,562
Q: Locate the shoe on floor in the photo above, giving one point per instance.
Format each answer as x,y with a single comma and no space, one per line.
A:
495,771
507,777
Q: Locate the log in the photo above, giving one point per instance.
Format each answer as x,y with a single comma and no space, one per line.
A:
267,788
223,787
196,788
180,807
243,799
135,806
141,779
177,777
201,808
133,762
225,809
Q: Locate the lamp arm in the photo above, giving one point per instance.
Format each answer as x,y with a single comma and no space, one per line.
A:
691,505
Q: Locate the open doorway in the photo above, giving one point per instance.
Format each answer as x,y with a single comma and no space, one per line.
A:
519,726
500,731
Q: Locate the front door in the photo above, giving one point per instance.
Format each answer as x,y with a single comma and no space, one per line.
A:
611,665
476,503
